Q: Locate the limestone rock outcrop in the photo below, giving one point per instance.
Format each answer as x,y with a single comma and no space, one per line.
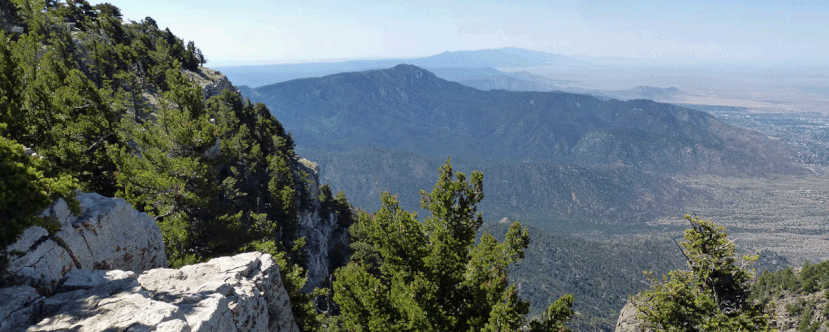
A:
107,234
628,322
19,307
324,236
238,293
212,82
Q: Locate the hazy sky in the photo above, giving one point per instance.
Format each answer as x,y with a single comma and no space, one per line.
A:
272,31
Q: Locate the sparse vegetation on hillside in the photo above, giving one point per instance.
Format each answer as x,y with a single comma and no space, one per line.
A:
600,275
800,296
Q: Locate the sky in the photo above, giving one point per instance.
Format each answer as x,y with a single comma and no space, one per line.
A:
682,32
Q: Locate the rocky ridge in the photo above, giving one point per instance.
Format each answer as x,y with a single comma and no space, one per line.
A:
321,230
108,233
239,293
105,268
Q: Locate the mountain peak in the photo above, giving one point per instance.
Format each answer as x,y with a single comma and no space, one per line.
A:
410,72
405,68
379,107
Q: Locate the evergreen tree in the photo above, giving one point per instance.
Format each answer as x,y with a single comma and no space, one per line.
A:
171,175
54,109
10,88
219,175
108,9
411,276
713,295
25,191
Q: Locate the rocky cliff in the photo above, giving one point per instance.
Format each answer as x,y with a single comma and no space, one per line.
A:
105,253
324,236
212,82
628,322
239,293
100,270
108,234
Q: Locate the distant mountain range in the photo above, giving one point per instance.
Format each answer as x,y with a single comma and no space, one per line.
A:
411,109
477,69
493,79
255,76
553,155
497,58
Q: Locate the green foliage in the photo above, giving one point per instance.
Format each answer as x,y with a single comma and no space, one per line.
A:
111,105
812,278
172,179
805,310
336,204
24,191
212,184
712,295
411,276
797,308
555,316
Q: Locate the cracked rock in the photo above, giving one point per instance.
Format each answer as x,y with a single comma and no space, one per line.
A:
108,234
19,307
238,293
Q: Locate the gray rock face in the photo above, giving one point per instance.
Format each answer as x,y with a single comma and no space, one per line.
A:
628,322
108,234
323,235
19,306
239,293
243,293
212,82
319,237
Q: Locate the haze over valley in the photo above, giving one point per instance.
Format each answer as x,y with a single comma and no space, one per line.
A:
608,134
651,182
575,148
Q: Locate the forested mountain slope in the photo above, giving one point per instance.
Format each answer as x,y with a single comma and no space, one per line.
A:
547,156
409,108
125,109
542,193
600,275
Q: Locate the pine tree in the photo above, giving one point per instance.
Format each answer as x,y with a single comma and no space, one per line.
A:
411,276
170,174
713,295
25,191
56,110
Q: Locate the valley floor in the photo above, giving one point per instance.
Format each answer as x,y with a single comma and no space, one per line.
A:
784,214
